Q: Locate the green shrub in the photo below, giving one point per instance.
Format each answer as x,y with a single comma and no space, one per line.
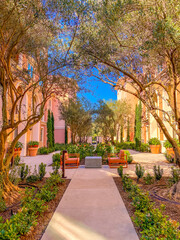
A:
169,158
154,141
150,220
50,150
144,147
59,147
139,171
24,171
43,150
127,182
141,201
19,145
54,180
17,159
154,225
167,144
32,178
42,170
158,172
56,157
120,171
56,166
148,179
33,204
175,173
14,175
47,194
36,205
33,144
129,157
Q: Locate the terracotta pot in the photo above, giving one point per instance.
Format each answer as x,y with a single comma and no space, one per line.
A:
155,149
17,153
32,151
170,151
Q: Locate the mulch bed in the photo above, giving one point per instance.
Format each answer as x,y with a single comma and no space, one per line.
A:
37,232
158,188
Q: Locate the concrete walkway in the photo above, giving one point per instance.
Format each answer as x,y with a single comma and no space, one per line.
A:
91,209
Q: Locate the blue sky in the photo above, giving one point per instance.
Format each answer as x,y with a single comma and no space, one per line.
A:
99,91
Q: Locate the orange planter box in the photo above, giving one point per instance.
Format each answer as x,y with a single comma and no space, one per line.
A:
32,151
155,149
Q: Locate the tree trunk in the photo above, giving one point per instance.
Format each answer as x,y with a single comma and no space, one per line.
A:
9,191
176,148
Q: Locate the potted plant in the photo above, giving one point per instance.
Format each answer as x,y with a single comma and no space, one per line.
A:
169,147
155,145
33,148
17,149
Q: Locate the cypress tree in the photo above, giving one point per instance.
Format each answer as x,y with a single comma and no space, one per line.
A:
49,130
52,121
128,131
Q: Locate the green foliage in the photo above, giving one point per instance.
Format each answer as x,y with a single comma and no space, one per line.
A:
127,183
33,205
120,171
175,175
17,159
47,194
24,171
56,166
150,220
139,171
77,114
154,141
14,175
129,157
49,131
52,121
33,144
19,145
158,172
156,226
169,158
143,148
60,146
54,180
56,157
148,179
32,178
167,144
42,170
45,150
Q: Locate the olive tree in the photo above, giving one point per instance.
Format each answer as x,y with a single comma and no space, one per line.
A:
134,46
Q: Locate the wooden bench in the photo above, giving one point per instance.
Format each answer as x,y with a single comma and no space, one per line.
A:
119,160
71,160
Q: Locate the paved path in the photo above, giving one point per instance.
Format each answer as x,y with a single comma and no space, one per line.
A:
93,200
